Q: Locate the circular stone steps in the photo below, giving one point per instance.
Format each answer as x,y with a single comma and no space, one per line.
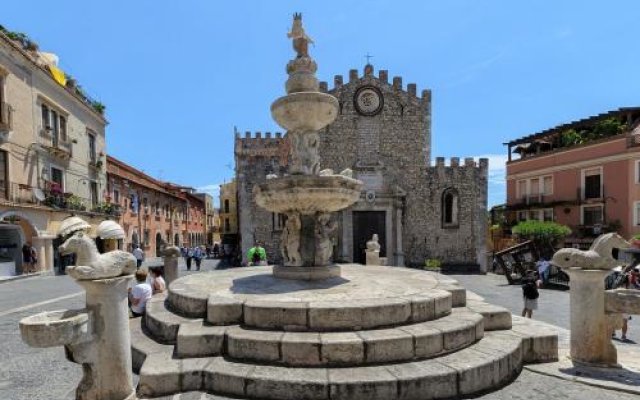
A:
363,298
489,363
314,349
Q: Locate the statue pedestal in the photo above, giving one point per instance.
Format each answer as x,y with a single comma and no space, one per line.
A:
107,358
170,269
590,333
372,257
306,273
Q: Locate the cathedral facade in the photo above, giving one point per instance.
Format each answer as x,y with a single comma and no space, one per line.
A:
419,209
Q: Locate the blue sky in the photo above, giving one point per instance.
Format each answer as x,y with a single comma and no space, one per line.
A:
176,77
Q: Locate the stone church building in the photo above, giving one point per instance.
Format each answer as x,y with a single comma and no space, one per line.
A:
383,133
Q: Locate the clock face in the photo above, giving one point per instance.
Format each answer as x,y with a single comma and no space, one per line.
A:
368,100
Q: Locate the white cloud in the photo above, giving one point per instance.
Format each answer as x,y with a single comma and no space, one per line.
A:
496,177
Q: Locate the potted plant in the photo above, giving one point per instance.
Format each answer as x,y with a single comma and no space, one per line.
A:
71,82
99,107
432,264
635,241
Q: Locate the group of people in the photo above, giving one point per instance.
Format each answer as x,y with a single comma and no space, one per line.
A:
147,284
190,254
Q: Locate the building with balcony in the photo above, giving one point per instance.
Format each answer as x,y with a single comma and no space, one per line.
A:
584,174
52,152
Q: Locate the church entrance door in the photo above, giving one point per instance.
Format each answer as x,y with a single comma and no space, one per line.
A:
365,224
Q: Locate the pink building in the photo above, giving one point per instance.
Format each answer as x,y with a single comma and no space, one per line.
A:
584,174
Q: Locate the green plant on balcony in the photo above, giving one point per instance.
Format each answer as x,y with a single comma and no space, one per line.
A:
107,208
74,202
99,107
571,137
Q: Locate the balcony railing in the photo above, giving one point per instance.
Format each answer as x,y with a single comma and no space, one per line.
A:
6,117
19,193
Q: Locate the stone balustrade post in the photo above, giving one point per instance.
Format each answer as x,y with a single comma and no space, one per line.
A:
590,333
170,256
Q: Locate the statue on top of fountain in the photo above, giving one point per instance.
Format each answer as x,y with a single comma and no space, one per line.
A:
300,39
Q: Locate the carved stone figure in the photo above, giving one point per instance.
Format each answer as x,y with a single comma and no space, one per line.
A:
325,228
373,244
90,264
291,241
326,172
300,39
599,256
304,155
347,172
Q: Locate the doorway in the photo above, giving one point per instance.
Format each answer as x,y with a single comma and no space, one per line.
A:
365,224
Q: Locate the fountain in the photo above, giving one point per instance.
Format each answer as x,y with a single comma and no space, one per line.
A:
307,196
309,329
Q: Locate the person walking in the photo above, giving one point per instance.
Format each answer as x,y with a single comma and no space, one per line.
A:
197,256
530,294
27,265
139,255
189,257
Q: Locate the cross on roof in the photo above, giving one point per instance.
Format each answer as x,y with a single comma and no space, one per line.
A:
368,57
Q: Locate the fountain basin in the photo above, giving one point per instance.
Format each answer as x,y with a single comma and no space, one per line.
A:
307,194
305,111
55,328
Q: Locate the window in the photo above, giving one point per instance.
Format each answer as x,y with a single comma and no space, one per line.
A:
63,128
133,203
450,208
46,123
592,215
547,185
226,206
146,237
92,148
4,184
636,213
548,214
116,196
227,226
157,208
93,188
592,183
521,189
522,216
637,171
57,177
55,131
534,186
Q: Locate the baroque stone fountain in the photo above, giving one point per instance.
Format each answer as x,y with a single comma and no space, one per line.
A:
308,195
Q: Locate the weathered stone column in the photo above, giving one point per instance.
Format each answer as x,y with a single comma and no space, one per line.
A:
171,255
38,244
590,336
48,244
108,376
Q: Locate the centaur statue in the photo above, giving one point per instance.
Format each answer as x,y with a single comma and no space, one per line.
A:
300,39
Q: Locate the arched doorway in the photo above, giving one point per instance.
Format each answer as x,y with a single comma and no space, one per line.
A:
176,239
159,244
16,230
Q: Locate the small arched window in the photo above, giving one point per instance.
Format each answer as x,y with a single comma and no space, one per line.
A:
450,208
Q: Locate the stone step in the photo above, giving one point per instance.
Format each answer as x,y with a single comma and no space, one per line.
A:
142,344
496,318
485,365
162,323
312,349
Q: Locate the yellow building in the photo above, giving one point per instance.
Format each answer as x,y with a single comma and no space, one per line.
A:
52,153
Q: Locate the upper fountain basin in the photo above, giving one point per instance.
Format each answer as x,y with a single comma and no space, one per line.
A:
306,111
307,194
55,328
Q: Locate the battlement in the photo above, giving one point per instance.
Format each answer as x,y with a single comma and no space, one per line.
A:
469,162
383,76
250,136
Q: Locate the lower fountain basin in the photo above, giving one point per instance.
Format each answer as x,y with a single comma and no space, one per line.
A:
55,328
307,194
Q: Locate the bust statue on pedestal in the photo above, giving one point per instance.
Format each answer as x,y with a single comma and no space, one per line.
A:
373,251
